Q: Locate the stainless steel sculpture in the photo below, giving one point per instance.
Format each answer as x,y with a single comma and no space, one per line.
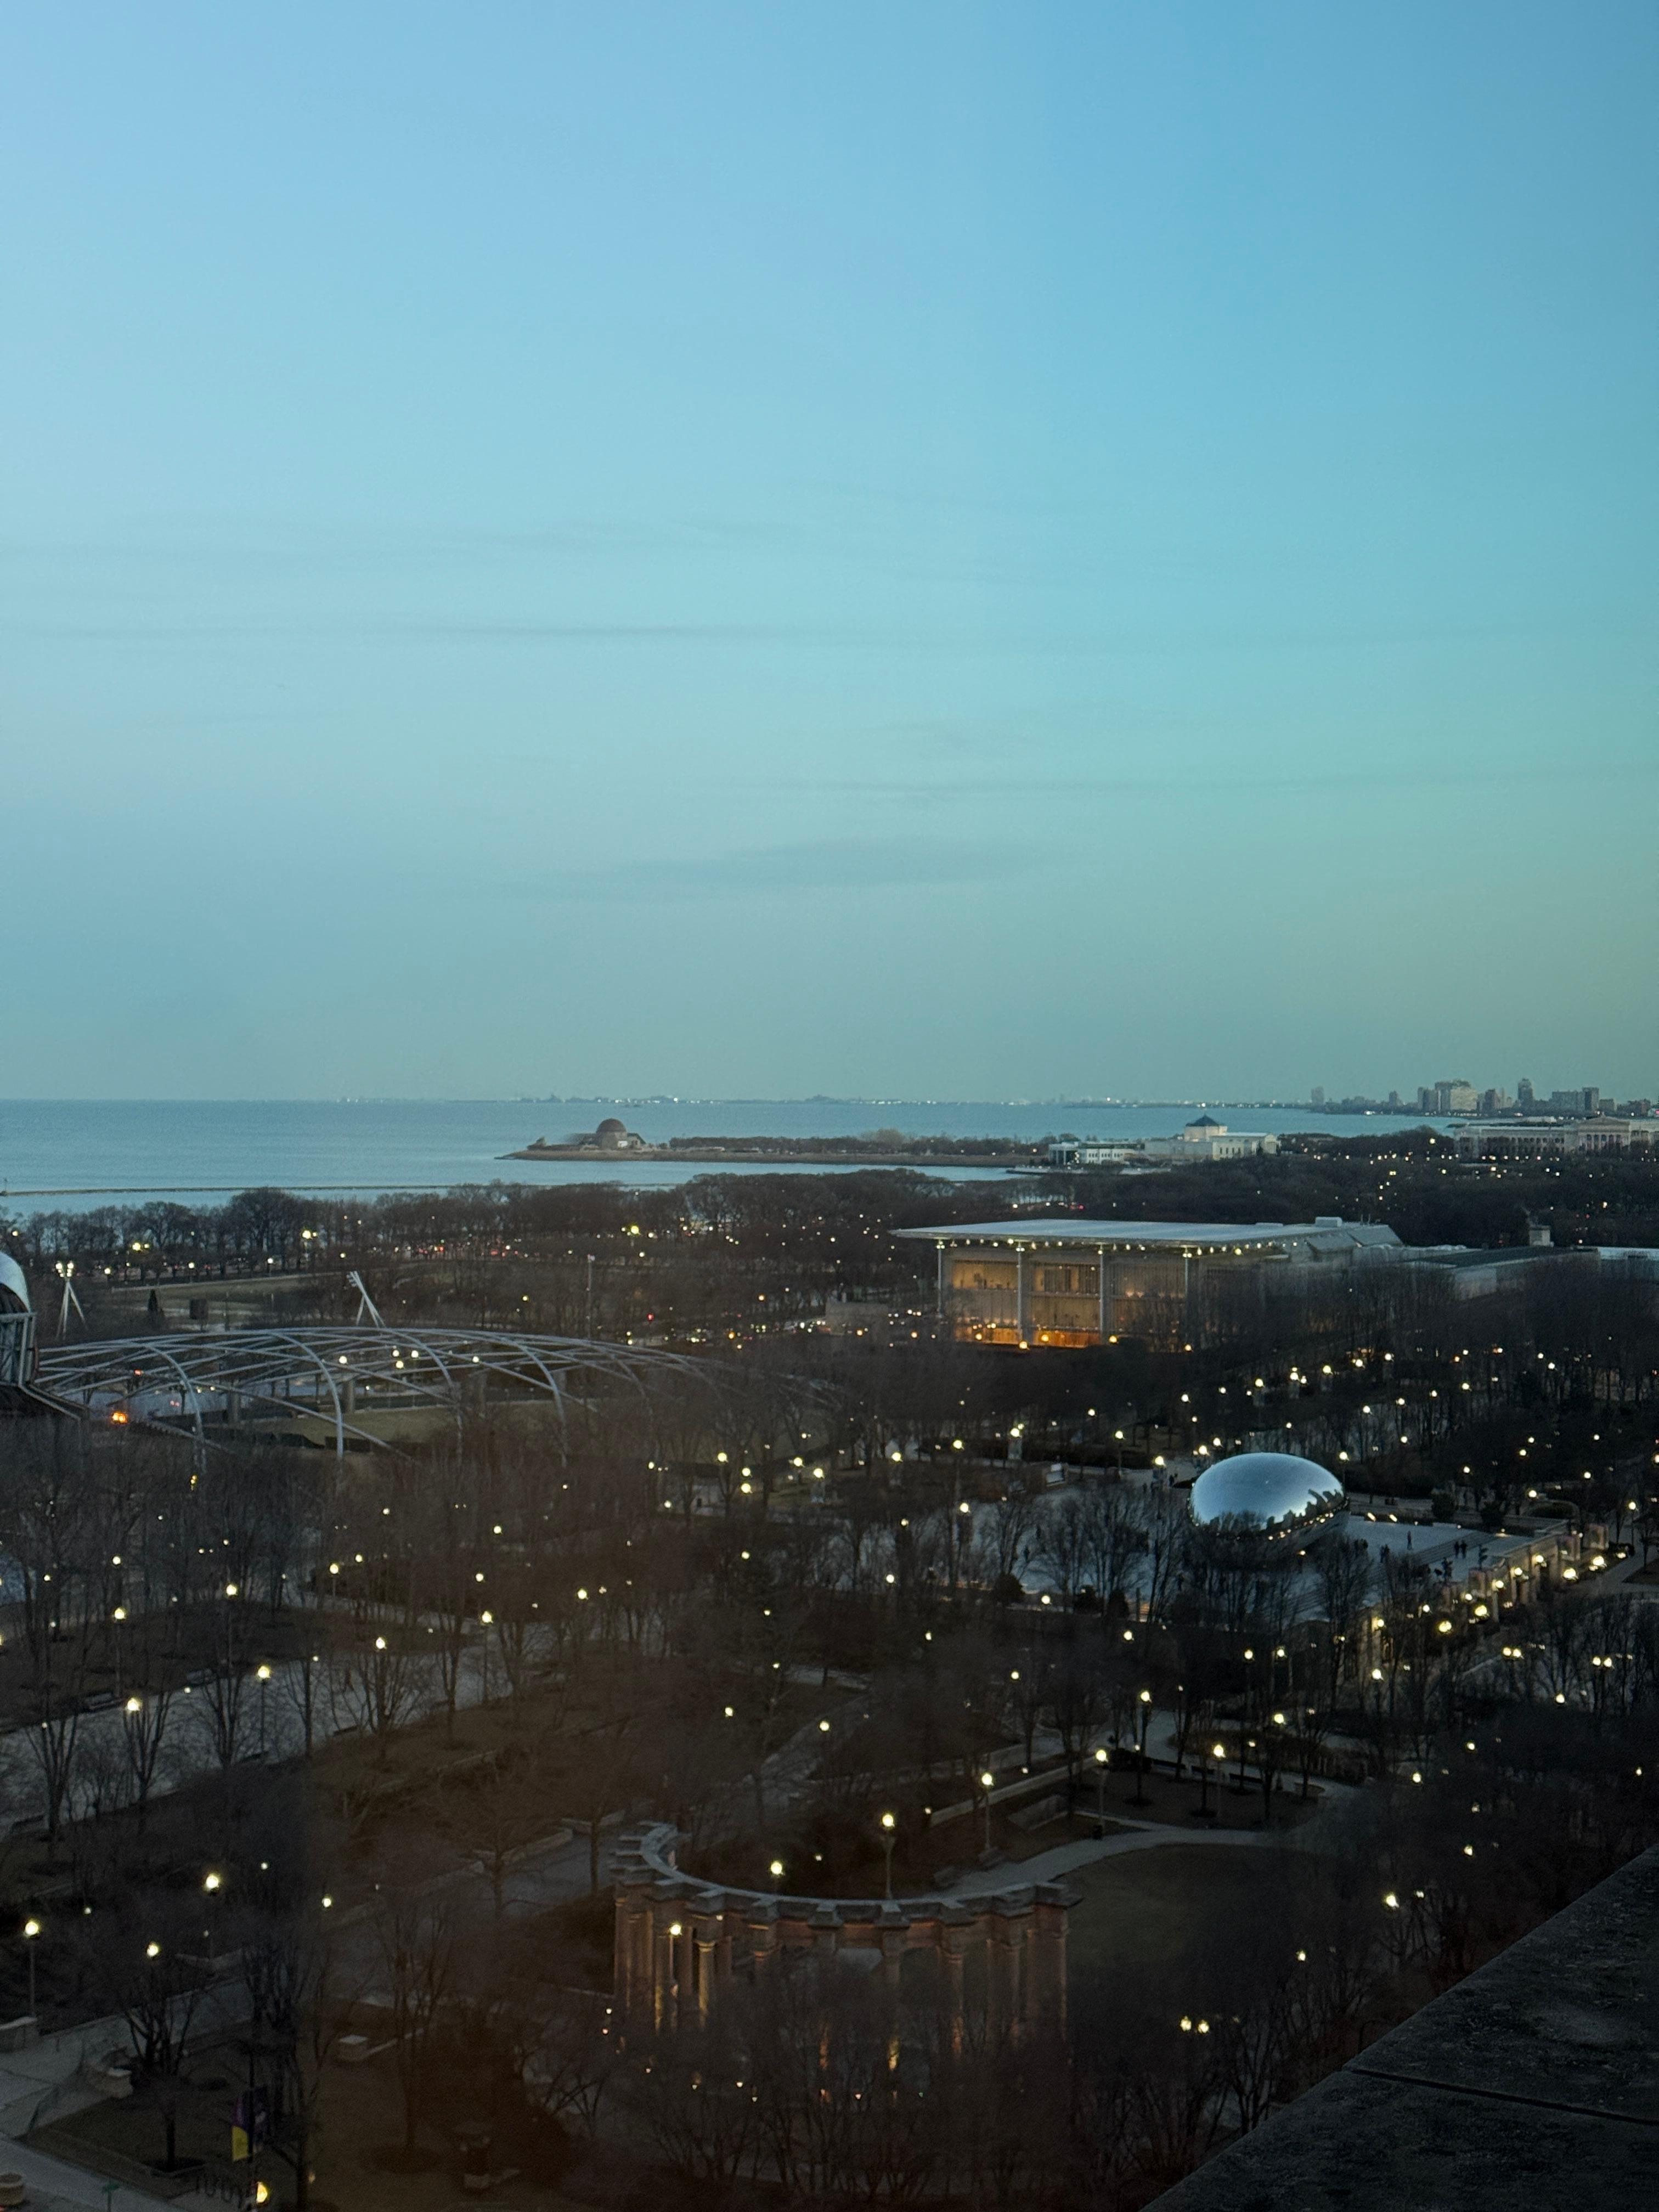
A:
338,1373
1270,1493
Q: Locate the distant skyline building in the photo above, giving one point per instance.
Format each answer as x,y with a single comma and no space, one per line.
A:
1456,1095
1535,1138
1202,1139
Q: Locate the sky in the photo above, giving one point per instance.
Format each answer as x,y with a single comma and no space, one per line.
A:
907,550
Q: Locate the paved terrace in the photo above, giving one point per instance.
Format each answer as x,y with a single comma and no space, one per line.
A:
1533,2084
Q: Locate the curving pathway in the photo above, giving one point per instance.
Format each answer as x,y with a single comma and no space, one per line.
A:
1142,1836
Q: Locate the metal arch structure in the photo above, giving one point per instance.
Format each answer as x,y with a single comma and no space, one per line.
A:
158,1380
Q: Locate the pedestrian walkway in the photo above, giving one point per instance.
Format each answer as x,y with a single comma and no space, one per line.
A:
1065,1858
54,2187
49,2073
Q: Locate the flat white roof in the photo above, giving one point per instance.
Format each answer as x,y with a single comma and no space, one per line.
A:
1212,1235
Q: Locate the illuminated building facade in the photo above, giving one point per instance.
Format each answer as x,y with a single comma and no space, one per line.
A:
1077,1283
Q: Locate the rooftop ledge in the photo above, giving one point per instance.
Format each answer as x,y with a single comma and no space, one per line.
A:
1534,2083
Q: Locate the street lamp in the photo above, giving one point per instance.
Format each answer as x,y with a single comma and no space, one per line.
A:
211,1884
1101,1763
262,1676
888,1838
987,1782
1143,1715
31,1931
1218,1753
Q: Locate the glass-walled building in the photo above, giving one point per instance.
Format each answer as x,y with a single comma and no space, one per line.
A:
1089,1282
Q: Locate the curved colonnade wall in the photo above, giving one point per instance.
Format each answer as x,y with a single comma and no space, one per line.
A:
679,1940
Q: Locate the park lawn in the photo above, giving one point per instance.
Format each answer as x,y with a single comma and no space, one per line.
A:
1142,1911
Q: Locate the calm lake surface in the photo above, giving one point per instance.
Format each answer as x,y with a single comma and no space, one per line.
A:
67,1153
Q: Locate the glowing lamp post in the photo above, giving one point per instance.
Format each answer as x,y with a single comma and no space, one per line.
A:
1102,1762
987,1782
1144,1714
888,1838
31,1934
1218,1753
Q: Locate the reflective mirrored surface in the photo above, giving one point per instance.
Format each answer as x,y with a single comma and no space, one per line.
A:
1270,1492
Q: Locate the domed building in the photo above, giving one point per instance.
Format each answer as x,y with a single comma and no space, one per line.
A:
16,1326
1265,1493
615,1136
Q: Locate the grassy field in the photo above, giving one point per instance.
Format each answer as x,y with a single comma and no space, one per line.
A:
361,2119
1143,1912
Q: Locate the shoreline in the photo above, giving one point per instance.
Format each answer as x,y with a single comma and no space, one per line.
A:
739,1154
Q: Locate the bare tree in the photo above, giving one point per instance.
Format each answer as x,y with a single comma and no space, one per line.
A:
155,1976
418,1929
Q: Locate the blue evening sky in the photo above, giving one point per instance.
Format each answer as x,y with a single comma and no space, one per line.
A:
925,550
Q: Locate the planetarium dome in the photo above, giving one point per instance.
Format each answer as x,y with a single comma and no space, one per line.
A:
1265,1493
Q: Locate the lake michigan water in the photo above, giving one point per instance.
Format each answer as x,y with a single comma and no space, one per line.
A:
74,1153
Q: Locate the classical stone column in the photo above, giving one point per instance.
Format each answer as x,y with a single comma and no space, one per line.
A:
894,1943
621,1952
669,1918
632,1968
794,1924
1045,1981
706,1933
685,1967
1007,1926
762,1922
951,1944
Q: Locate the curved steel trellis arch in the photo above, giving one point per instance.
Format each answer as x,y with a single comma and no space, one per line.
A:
263,1364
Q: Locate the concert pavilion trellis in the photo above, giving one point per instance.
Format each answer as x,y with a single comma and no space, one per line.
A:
336,1374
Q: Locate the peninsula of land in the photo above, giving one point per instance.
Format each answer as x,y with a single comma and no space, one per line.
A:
878,1148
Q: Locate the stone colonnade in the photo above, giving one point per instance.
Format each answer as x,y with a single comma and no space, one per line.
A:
679,1939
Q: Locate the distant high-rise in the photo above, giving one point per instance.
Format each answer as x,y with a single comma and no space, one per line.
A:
1318,1096
1524,1095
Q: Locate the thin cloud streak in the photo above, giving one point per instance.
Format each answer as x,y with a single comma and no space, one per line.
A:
440,630
1246,786
828,864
